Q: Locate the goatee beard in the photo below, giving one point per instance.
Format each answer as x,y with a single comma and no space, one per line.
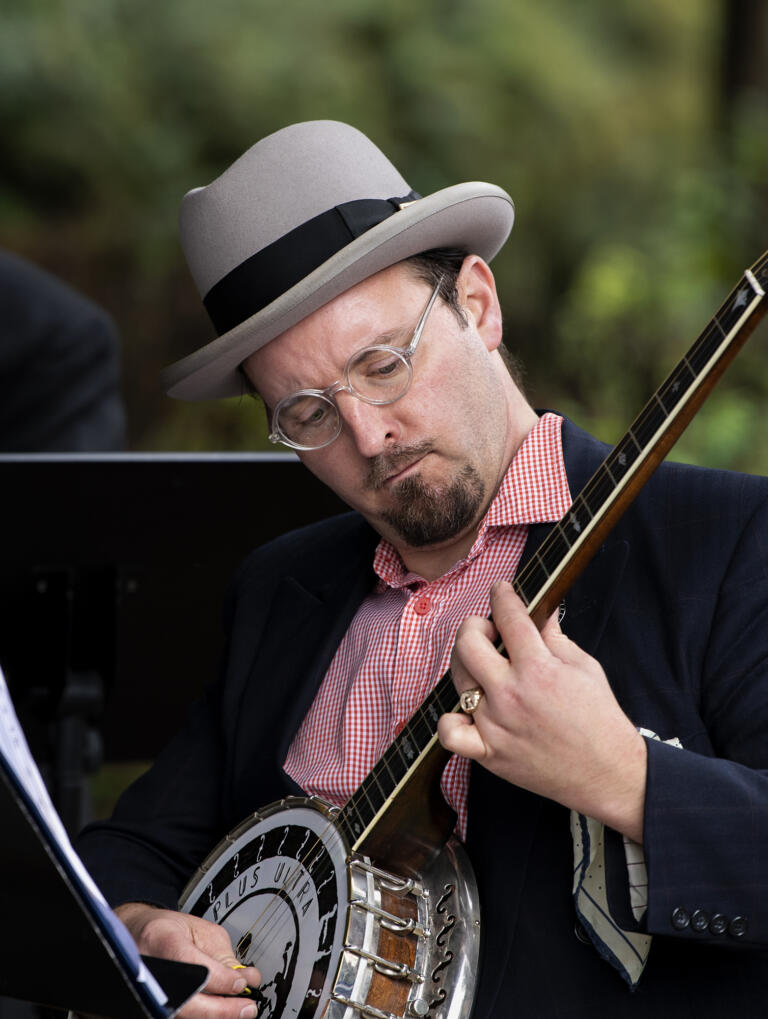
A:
425,515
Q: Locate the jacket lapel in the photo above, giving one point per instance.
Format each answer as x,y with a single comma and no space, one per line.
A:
290,663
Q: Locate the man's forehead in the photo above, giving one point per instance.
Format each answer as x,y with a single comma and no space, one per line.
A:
376,311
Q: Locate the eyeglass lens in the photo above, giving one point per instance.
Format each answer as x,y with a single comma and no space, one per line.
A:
376,375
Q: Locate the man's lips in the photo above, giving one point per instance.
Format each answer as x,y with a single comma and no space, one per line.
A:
387,468
396,475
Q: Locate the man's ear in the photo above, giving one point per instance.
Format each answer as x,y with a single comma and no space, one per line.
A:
478,298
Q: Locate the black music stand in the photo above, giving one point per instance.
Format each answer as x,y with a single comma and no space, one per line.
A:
58,951
113,574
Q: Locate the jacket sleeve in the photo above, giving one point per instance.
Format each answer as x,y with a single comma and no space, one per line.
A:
706,817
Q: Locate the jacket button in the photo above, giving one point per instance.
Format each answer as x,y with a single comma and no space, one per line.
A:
718,924
737,928
581,934
700,920
680,918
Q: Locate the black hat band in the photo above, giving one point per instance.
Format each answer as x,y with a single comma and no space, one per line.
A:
268,273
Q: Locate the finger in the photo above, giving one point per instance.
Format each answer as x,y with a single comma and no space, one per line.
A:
552,625
559,644
475,659
458,734
190,939
209,1006
224,978
478,625
228,974
518,632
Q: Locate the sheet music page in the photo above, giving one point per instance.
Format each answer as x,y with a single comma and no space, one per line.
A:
17,759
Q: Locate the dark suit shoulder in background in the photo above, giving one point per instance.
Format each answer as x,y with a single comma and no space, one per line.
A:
59,366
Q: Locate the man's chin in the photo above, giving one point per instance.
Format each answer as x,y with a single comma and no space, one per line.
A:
424,515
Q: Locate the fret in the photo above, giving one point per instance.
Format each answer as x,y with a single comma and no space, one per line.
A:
429,713
576,520
716,322
631,435
677,385
536,576
419,730
540,560
386,762
597,491
350,819
406,748
646,425
444,694
619,461
658,400
703,349
385,785
368,805
554,549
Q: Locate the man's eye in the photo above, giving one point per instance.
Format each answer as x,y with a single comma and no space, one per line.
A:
305,413
315,417
384,368
377,366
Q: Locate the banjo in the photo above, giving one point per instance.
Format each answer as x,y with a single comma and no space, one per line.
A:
370,910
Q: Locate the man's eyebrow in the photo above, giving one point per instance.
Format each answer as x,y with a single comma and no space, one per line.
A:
399,337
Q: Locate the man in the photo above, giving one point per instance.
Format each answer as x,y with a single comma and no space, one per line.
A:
347,302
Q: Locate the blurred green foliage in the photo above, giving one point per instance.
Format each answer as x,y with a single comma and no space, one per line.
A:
105,785
639,171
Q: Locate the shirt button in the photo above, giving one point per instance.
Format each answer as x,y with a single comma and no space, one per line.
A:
422,605
700,920
680,918
718,924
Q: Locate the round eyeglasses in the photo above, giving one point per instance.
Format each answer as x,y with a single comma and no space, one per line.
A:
310,418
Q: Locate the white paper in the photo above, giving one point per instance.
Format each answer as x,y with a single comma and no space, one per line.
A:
19,761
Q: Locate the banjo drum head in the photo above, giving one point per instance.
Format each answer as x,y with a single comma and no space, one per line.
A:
278,885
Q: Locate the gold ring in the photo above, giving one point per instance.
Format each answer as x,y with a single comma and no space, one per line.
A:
470,699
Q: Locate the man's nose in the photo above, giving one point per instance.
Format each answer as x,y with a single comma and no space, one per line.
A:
372,427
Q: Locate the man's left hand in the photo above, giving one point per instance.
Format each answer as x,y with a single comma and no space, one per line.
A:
548,720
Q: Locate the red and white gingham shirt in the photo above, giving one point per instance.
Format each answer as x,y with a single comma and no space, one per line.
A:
399,643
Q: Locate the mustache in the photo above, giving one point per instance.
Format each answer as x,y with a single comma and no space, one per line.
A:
385,465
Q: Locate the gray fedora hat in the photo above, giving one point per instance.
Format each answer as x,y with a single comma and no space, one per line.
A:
302,216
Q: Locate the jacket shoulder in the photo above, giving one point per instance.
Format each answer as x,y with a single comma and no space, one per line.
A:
317,550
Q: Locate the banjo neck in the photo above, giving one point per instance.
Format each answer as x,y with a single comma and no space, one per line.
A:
397,814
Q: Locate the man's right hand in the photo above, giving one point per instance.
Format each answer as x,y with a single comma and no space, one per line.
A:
184,938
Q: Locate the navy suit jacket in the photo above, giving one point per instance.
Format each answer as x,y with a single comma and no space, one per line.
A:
675,606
